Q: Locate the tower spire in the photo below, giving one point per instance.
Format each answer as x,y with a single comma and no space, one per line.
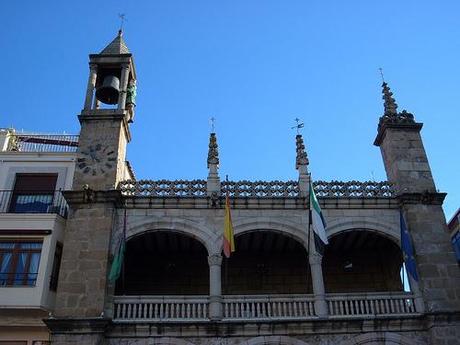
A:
213,182
389,103
213,152
301,159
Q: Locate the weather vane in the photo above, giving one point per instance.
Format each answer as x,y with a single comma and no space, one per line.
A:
381,74
212,120
298,125
122,20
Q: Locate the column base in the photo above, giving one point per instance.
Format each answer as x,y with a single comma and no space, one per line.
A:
215,308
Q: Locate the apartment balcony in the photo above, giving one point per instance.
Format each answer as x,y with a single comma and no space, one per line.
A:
33,202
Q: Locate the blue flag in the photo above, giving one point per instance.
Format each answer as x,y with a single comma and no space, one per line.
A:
407,249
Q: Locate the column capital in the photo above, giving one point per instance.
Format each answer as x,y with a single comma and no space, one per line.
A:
315,258
215,260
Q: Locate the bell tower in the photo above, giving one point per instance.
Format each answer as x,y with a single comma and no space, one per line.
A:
105,118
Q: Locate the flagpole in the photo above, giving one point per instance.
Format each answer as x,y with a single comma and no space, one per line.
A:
225,258
309,235
123,263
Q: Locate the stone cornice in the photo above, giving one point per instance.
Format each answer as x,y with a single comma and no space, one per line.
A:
403,126
266,328
426,198
104,115
82,197
286,203
77,326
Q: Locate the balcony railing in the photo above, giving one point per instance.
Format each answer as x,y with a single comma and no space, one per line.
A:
265,307
161,308
24,142
261,307
33,202
346,305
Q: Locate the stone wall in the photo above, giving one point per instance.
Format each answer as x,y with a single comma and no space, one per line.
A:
82,280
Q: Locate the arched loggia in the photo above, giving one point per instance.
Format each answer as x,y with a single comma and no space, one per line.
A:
362,261
266,262
164,263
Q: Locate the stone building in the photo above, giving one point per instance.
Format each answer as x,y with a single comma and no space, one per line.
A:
176,289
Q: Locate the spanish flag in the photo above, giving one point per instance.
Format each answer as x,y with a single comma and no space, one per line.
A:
229,241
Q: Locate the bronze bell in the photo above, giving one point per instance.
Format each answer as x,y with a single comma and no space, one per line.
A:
108,92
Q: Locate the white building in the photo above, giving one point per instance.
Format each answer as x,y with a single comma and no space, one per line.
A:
33,171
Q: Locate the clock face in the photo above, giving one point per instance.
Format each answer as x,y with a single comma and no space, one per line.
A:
96,159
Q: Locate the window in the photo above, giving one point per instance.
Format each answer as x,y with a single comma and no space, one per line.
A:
19,261
56,267
33,193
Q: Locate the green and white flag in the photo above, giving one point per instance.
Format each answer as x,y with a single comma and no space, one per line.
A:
317,222
117,263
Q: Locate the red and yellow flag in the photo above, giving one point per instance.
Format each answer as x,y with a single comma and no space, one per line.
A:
229,241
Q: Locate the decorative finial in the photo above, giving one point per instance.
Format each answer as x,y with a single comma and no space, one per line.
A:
213,153
390,106
122,17
301,156
298,125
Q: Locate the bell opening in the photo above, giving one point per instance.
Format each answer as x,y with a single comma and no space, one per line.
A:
109,90
108,86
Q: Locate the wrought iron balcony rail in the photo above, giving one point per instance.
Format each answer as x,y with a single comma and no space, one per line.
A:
256,189
33,202
21,142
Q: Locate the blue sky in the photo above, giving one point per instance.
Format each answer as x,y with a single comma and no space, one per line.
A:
255,66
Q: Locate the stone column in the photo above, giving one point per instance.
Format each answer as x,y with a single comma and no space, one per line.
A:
91,86
123,86
318,284
215,287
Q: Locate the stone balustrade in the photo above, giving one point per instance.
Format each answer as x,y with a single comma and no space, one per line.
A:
161,308
265,307
261,307
255,189
370,304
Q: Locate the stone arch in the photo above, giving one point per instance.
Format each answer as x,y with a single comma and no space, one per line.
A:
384,229
273,340
287,228
387,338
169,341
180,225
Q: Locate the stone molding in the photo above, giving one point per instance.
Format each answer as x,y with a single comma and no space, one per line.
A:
107,115
385,229
215,260
88,196
184,226
403,126
387,338
427,198
77,326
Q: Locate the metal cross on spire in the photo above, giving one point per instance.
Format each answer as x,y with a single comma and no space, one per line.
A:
212,121
381,74
122,17
298,125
